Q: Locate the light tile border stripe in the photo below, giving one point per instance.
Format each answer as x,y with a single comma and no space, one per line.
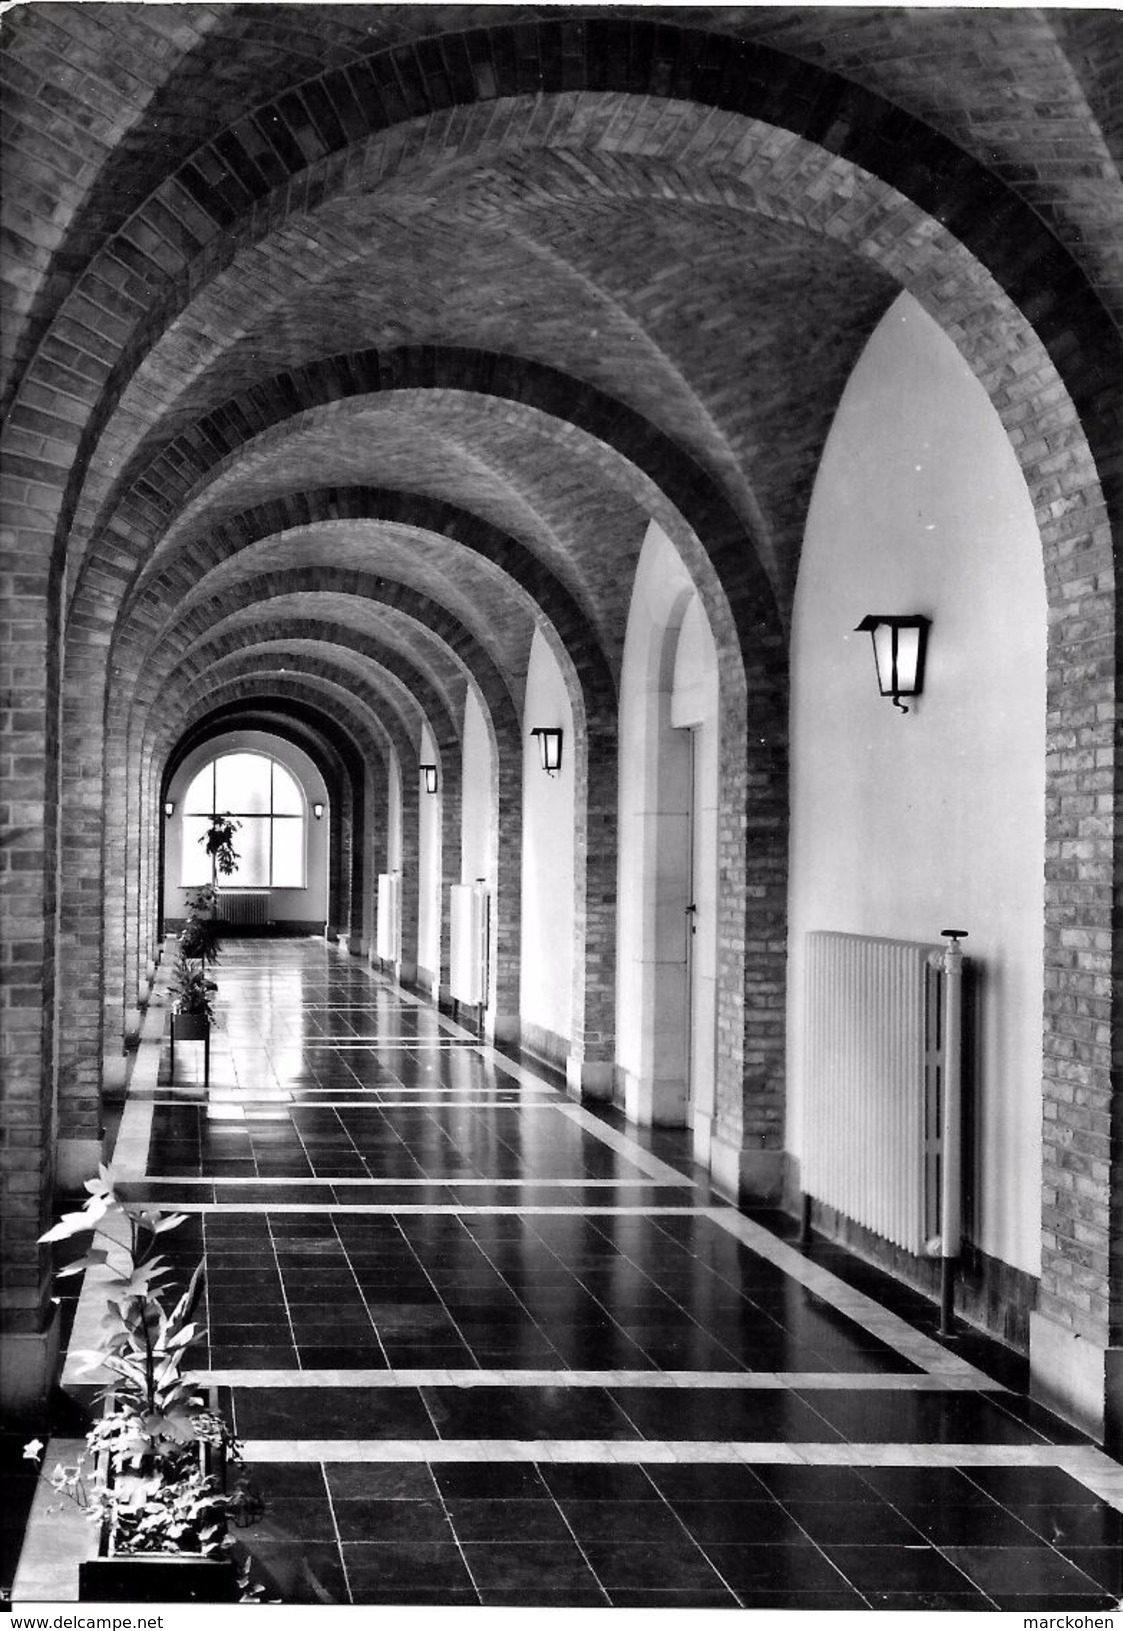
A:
1090,1467
424,1183
895,1332
748,1381
393,1208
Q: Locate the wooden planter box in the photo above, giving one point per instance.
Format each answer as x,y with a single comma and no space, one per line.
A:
161,1577
158,1577
193,1028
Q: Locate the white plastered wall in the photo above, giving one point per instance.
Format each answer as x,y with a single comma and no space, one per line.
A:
429,865
661,700
546,975
694,708
905,825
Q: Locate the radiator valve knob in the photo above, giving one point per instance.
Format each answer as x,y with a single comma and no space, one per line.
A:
954,935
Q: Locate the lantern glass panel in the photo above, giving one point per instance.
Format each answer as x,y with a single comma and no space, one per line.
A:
908,657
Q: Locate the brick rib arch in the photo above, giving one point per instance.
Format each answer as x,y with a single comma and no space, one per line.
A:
565,625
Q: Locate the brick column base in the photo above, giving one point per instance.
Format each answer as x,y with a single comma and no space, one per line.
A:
745,1176
76,1160
28,1369
1079,1379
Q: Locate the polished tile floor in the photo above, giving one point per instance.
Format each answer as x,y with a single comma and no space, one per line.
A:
484,1346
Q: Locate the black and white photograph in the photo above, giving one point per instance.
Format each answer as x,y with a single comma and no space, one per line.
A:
561,874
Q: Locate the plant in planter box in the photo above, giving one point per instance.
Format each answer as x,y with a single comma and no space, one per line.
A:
153,1473
191,990
199,937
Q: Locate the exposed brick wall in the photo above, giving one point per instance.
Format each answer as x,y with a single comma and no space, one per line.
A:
142,337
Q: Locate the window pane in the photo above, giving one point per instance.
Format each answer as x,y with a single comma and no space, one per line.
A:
196,865
286,794
288,854
242,784
252,846
200,795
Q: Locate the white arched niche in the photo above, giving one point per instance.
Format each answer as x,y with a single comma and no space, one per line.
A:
905,824
667,911
546,976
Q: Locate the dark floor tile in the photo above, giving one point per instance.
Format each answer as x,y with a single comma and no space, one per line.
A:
930,1602
429,1356
327,1413
489,1480
623,1522
496,1520
970,1526
1043,1422
527,1413
421,1565
882,1416
1103,1563
344,1356
297,1518
821,1602
742,1523
380,1480
699,1597
1021,1570
721,1414
707,1481
760,1568
243,1357
542,1597
230,1303
373,1519
415,1596
665,1565
1038,1486
597,1481
1056,1602
841,1523
284,1478
1065,1526
534,1563
896,1568
306,1572
907,1487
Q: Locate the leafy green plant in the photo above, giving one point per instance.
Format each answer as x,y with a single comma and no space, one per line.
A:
218,841
144,1469
191,990
199,938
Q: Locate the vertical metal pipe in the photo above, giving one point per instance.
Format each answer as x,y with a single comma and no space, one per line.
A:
951,1165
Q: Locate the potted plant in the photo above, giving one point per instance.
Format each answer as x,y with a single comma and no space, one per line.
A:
191,989
154,1471
219,843
192,994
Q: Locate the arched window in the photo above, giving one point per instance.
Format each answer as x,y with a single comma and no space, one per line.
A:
267,799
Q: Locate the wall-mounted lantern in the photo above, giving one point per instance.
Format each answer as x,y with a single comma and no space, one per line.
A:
899,645
169,809
429,772
318,809
549,748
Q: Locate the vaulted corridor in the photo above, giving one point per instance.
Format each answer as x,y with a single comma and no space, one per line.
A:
481,1345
